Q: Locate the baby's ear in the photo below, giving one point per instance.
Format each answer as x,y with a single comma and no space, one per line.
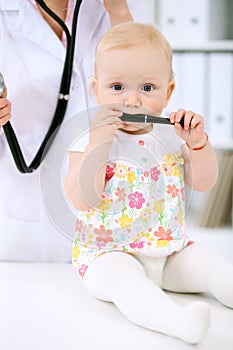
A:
170,89
95,86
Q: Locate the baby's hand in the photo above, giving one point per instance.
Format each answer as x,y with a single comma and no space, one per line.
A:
104,125
193,130
5,108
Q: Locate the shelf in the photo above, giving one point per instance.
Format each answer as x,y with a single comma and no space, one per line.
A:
223,146
209,46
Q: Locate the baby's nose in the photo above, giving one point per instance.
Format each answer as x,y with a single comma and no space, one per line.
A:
132,99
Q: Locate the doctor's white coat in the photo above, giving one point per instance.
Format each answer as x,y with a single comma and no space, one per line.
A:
31,60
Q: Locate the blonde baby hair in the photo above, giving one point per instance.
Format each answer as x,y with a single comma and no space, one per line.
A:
131,34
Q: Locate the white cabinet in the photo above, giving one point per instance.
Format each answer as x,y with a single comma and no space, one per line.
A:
201,35
190,90
181,19
220,99
197,21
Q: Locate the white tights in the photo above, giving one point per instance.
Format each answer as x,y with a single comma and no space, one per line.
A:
120,278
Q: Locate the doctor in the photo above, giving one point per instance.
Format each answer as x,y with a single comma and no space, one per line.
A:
32,51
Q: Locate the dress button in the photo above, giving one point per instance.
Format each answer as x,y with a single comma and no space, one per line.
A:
141,143
144,159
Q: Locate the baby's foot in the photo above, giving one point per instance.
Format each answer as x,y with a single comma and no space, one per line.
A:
195,322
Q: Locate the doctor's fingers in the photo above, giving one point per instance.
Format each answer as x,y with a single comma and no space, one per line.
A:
5,112
4,93
4,102
4,120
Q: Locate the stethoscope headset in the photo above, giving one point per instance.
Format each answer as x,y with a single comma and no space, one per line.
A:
62,102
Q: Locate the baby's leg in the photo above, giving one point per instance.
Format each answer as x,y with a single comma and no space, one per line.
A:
120,278
196,269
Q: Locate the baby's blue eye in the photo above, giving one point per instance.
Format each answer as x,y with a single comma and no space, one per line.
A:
117,87
147,88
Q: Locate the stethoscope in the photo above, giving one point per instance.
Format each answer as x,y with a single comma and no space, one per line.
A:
62,102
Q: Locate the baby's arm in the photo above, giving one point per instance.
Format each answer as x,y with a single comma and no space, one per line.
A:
201,166
85,180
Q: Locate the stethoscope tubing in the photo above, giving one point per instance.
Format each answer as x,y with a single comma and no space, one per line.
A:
62,102
147,119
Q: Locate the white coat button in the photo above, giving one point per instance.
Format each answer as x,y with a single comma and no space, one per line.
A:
75,87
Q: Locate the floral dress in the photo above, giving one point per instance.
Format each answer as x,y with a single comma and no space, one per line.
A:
142,207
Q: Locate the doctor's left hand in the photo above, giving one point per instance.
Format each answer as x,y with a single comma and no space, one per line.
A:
5,108
118,11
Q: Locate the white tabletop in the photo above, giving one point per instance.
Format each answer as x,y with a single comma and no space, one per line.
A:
45,307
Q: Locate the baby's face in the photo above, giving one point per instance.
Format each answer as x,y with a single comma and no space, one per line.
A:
134,77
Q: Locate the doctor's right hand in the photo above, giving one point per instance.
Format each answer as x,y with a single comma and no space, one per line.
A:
5,108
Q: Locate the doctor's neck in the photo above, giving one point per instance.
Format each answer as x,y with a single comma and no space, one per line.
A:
59,5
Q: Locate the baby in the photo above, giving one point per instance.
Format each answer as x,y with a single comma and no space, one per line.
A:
126,181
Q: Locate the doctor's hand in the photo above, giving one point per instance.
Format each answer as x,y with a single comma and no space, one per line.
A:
118,11
5,108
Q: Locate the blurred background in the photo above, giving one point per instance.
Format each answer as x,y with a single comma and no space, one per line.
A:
45,306
201,35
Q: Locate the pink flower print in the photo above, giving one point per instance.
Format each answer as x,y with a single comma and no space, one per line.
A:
121,194
173,190
138,245
79,225
154,173
103,235
164,235
82,270
109,172
136,200
182,191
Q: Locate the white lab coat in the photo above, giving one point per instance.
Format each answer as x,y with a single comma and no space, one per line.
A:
31,60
